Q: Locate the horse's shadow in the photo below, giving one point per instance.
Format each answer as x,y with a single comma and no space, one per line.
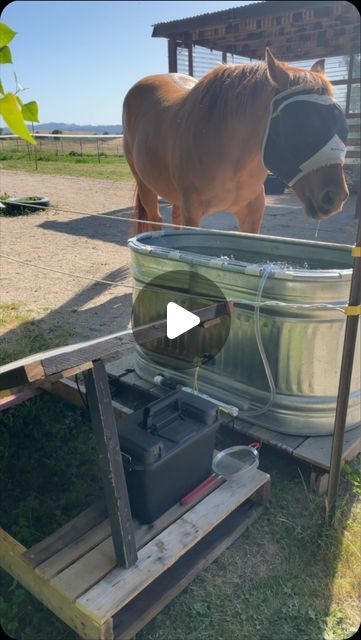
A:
98,226
75,320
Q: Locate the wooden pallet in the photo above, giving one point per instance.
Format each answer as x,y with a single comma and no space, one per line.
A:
103,574
74,571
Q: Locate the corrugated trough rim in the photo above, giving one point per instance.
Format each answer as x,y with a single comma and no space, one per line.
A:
137,244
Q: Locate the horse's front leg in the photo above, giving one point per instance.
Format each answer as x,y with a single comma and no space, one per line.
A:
176,215
250,216
191,210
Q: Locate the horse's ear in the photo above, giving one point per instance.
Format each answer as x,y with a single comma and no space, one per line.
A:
276,71
319,66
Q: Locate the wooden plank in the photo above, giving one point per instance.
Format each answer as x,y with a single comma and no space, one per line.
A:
317,449
77,549
137,613
68,391
121,585
172,56
83,563
319,482
286,442
83,622
111,464
18,397
64,359
56,360
64,536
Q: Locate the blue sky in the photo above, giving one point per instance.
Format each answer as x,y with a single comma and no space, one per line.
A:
80,58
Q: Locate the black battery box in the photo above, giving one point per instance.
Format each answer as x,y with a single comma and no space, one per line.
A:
167,449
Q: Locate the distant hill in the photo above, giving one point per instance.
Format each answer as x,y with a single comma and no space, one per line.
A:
88,128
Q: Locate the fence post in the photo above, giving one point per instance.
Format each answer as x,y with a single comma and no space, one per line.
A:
98,150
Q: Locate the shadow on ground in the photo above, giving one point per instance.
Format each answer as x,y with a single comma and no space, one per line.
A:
284,217
96,227
77,319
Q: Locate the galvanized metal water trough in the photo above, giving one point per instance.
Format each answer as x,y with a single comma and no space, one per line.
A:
303,344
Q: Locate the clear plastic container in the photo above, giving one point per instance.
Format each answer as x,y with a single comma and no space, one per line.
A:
236,460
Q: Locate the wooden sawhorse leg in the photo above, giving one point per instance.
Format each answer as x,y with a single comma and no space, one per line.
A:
111,465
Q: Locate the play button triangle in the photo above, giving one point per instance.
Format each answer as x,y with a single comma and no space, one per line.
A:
179,320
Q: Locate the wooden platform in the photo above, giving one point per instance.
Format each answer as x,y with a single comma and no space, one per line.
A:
103,574
313,450
74,571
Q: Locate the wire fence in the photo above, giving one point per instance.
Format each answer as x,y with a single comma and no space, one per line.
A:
128,217
62,145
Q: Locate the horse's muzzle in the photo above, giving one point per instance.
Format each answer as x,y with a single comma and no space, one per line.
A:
327,204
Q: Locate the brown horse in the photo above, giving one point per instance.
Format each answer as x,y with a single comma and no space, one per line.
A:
198,144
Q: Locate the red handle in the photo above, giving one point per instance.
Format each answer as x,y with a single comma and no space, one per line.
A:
212,480
255,445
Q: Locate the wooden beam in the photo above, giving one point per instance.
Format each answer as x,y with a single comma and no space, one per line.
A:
190,59
111,465
76,528
18,397
172,56
349,83
352,322
73,358
78,618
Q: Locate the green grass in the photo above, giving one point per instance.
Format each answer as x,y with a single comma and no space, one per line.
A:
23,335
49,473
287,577
109,168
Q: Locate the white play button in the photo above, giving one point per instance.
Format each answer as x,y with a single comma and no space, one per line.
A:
179,320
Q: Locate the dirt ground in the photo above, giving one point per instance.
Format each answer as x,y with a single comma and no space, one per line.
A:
96,247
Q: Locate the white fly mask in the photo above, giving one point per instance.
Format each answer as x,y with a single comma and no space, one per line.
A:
306,130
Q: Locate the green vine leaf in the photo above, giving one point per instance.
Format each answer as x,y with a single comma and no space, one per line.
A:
5,55
6,34
11,113
2,88
30,111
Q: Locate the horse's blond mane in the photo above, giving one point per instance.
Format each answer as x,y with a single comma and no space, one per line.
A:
227,89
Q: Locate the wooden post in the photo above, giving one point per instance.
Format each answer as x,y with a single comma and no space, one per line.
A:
349,344
190,59
98,151
172,56
111,465
349,84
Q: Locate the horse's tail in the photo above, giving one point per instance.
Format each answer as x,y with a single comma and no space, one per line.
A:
140,214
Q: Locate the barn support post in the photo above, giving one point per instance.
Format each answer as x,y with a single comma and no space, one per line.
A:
349,84
352,321
172,56
115,488
190,59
